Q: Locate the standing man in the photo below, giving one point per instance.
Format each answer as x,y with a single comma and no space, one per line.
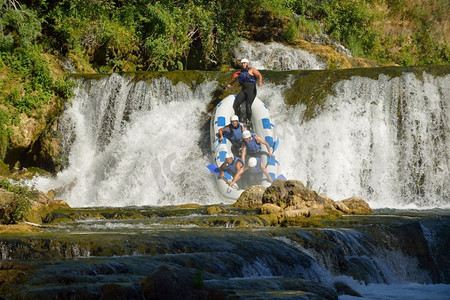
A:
247,79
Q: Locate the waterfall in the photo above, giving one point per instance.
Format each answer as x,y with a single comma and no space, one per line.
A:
133,142
384,140
275,56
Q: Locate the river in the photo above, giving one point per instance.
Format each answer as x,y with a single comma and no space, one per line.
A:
141,140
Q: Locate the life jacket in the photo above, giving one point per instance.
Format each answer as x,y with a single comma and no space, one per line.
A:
235,134
253,146
246,77
232,168
256,169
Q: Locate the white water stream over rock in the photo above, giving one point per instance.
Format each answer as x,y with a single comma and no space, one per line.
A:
132,142
275,56
139,143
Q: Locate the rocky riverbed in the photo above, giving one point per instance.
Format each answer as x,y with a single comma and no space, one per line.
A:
221,252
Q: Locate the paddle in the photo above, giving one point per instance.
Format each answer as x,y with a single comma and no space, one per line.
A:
213,169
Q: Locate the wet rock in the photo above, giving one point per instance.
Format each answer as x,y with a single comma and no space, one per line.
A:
354,205
297,200
282,192
269,208
189,205
31,205
27,173
273,288
27,131
41,205
251,198
342,207
169,282
343,289
215,210
12,273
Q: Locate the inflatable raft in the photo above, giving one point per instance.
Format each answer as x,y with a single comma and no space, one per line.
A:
262,127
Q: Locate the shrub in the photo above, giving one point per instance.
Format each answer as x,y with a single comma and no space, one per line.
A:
18,27
291,33
15,211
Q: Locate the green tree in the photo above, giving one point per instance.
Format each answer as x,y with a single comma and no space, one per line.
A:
19,26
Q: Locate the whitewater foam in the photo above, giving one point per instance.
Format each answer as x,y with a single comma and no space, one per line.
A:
385,140
275,56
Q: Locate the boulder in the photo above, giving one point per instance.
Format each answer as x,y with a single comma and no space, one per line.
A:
251,198
354,206
269,208
27,131
281,192
290,199
33,206
292,195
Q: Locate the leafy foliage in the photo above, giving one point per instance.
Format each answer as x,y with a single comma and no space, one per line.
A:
15,211
26,82
111,35
18,28
376,28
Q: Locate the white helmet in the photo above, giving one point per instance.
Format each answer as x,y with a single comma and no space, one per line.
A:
252,162
234,118
244,60
246,134
229,155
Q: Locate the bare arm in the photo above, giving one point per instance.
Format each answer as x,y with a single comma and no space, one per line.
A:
261,141
266,172
256,73
238,175
243,151
221,169
221,134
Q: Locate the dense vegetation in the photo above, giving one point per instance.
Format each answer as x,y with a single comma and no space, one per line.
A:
12,212
37,36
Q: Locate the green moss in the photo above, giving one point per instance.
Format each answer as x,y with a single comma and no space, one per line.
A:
4,169
28,173
311,88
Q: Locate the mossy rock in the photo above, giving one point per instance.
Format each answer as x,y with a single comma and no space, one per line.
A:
215,210
189,205
269,208
354,205
4,169
281,192
28,173
251,198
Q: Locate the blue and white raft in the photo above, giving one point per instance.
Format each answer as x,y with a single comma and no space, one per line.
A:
262,127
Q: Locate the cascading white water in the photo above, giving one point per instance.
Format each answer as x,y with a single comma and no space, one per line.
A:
153,158
383,140
275,56
138,143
